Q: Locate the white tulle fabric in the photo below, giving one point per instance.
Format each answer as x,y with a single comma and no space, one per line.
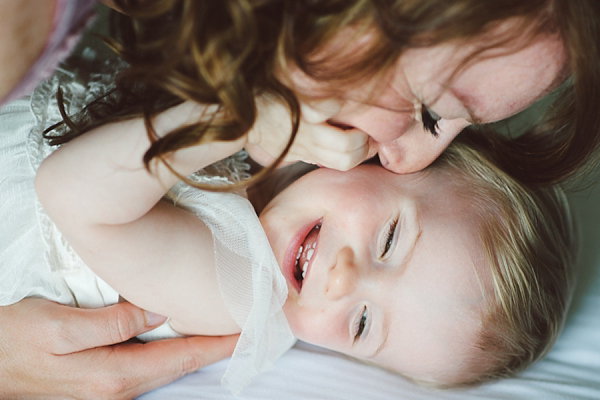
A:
250,280
35,260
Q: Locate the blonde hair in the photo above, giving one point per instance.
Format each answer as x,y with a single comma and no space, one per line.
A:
531,245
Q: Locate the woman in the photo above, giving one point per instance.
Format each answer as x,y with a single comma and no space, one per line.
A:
378,76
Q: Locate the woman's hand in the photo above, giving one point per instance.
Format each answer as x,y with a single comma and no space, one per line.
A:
52,350
317,141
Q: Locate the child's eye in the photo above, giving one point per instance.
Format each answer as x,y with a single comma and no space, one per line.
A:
430,120
360,324
389,240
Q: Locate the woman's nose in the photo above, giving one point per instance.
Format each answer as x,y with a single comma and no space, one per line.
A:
343,277
416,149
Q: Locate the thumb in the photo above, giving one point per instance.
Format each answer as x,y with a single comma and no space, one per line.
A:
372,148
89,328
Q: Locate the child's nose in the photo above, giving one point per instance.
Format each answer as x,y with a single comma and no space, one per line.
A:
343,277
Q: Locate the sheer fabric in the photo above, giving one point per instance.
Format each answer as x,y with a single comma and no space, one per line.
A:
250,280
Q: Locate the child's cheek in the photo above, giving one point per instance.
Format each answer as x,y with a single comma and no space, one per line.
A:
312,326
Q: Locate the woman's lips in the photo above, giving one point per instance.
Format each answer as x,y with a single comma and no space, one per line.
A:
300,253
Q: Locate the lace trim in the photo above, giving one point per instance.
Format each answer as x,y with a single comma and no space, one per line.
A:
79,88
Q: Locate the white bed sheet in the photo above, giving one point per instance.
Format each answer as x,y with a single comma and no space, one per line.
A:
570,371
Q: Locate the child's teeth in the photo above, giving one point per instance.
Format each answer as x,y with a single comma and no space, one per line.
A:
309,254
299,253
304,268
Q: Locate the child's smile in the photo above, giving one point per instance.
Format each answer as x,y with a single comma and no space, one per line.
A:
300,253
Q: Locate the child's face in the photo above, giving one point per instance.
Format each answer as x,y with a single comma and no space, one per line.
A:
406,296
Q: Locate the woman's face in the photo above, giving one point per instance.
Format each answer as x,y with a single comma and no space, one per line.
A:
498,84
383,267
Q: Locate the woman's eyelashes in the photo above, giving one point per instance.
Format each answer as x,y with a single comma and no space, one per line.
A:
389,238
430,120
360,324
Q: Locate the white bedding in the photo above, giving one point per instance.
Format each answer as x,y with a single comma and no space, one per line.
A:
570,371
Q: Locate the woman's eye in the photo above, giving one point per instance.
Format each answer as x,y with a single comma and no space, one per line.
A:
360,325
389,240
430,120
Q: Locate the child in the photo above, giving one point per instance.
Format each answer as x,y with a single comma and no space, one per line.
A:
448,276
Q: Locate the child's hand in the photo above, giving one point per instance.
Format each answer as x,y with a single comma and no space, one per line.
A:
317,142
53,350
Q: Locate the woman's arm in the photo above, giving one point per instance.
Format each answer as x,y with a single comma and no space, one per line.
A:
107,205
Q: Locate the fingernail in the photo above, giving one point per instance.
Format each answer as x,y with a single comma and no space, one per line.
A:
153,319
383,160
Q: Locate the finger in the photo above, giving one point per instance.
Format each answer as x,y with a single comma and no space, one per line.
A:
316,112
134,368
83,329
200,352
340,161
336,139
372,152
259,155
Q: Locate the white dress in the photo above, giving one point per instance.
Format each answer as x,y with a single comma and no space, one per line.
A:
35,260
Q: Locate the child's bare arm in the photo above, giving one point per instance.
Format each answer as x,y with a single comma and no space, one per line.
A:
105,166
108,207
